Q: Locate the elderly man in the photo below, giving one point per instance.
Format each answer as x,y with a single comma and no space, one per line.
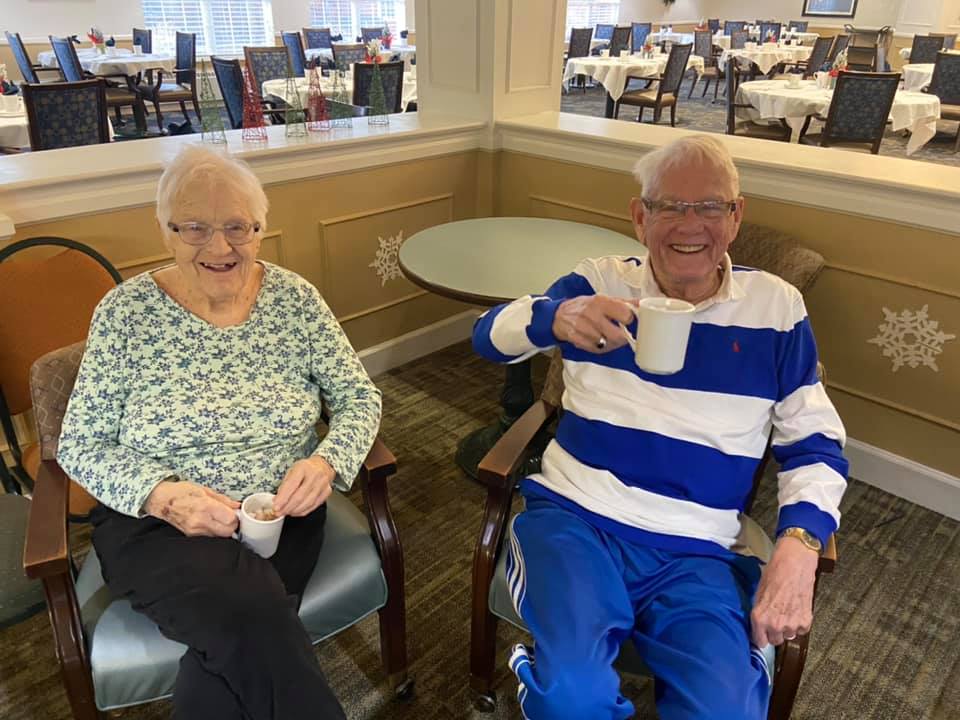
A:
627,530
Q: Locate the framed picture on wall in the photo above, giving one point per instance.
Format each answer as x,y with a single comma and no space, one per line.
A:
830,8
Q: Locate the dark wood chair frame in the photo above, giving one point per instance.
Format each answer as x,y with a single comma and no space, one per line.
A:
14,39
827,137
732,83
661,90
498,471
181,76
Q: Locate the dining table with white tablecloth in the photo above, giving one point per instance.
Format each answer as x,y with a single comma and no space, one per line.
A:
916,76
670,37
613,72
776,100
768,56
407,53
117,61
277,89
797,38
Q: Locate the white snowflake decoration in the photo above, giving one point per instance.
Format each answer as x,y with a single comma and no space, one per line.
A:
911,338
385,263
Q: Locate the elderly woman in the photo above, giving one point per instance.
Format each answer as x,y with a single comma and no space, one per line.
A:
201,384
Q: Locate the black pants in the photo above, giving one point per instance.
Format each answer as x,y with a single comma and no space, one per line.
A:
250,657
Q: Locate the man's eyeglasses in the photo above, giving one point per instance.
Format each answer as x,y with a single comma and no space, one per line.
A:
197,233
705,209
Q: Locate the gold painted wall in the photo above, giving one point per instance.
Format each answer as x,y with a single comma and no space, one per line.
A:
871,265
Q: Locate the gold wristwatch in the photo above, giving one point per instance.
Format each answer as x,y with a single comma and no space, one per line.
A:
804,536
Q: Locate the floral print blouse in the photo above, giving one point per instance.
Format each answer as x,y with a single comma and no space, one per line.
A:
162,392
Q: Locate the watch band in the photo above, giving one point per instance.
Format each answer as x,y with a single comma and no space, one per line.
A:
804,536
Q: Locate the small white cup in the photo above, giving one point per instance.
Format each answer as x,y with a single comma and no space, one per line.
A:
137,50
604,53
663,329
261,536
793,80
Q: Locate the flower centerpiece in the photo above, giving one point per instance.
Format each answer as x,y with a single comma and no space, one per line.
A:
96,37
373,51
839,63
387,38
771,37
647,49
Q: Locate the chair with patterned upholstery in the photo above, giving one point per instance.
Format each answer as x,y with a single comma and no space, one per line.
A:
768,29
143,38
602,32
347,54
294,45
580,47
713,25
667,91
61,115
28,69
949,40
862,58
117,97
267,63
703,46
620,40
799,25
858,112
370,33
638,35
748,128
318,38
925,48
184,85
757,247
817,58
840,43
391,75
732,26
230,79
945,84
111,656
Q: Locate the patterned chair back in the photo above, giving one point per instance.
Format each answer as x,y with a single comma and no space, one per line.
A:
267,63
298,59
818,56
186,58
230,79
860,108
703,45
370,33
391,75
925,48
862,59
143,38
346,54
580,42
638,35
732,26
770,27
67,59
318,38
840,43
949,40
738,39
713,24
66,114
945,83
676,67
620,42
603,32
799,25
22,57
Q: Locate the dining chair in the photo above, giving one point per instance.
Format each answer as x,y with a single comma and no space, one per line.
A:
945,84
391,75
840,43
112,657
949,39
818,57
713,25
712,72
267,63
143,38
602,31
739,39
339,109
732,26
620,40
370,33
756,246
580,39
229,74
799,25
66,114
117,97
184,85
667,90
294,45
748,128
862,58
638,35
347,54
858,112
770,28
924,48
318,38
28,69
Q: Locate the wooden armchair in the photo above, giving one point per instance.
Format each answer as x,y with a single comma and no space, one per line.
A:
500,472
112,657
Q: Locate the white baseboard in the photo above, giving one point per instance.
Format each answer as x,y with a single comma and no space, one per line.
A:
393,353
920,484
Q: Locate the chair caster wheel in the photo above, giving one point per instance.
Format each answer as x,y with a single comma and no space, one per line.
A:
486,702
404,691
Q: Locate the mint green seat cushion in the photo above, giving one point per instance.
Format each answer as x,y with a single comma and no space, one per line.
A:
752,541
133,663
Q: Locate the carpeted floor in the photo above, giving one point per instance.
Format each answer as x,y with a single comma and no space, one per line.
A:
883,646
698,113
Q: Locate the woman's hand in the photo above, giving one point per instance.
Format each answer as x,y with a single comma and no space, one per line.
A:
306,487
193,509
592,322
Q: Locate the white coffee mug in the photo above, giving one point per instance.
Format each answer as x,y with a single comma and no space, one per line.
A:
663,329
793,80
261,536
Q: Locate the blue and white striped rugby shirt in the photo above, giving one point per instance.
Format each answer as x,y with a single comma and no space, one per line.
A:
668,460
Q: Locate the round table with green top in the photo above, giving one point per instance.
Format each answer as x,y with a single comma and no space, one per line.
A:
488,261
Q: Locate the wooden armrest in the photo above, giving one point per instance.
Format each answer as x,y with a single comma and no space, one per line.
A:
380,461
45,551
498,465
828,560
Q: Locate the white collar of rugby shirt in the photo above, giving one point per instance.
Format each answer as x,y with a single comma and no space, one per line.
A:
642,278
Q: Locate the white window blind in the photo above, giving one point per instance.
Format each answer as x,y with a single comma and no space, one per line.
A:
223,27
346,17
587,13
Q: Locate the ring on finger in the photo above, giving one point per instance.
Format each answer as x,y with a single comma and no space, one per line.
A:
601,343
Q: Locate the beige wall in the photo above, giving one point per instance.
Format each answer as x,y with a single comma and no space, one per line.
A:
871,265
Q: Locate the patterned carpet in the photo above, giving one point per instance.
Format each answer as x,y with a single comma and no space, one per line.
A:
883,647
702,114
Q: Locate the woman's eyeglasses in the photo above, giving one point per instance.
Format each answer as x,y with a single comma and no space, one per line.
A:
197,233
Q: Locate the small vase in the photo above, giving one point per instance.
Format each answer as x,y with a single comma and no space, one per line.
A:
101,48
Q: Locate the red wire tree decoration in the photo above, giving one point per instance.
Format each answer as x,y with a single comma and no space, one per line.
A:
254,126
318,115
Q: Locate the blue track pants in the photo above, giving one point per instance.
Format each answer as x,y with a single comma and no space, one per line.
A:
582,592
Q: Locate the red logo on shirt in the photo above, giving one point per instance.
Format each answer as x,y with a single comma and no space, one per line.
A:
736,346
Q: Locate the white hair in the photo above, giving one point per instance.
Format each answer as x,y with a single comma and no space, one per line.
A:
197,164
688,150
